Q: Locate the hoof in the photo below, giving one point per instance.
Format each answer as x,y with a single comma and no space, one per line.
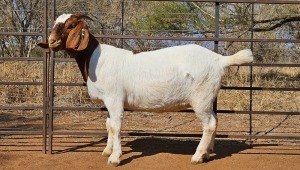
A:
106,152
114,159
195,162
199,158
113,163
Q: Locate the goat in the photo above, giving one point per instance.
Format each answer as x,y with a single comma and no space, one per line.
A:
170,79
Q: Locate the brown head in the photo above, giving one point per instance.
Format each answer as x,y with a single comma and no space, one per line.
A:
69,32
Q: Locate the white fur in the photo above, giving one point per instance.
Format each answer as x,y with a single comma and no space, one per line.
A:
238,58
169,79
62,18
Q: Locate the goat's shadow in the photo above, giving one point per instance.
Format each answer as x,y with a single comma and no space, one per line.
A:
153,146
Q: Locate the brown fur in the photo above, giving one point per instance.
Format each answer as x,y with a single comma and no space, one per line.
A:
68,36
136,51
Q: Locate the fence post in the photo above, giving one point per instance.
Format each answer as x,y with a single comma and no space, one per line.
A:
51,89
122,23
216,43
251,73
45,79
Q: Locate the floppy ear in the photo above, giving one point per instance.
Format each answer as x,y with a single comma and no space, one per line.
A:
75,40
43,45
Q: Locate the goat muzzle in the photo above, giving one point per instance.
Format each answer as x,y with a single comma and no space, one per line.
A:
54,43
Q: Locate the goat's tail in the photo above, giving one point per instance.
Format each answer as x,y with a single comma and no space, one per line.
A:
241,57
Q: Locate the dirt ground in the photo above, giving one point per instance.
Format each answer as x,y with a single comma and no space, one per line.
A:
146,153
84,152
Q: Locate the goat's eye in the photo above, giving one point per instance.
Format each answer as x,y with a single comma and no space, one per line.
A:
73,25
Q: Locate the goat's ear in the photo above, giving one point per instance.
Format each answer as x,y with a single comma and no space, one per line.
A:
75,40
43,45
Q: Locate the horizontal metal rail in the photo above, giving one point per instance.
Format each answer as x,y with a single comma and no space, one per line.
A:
272,65
187,110
171,134
21,59
21,108
22,83
69,84
260,88
23,132
22,33
259,112
238,1
198,39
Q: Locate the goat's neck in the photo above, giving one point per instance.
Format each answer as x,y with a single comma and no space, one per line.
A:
83,57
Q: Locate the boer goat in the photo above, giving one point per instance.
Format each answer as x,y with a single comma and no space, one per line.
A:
169,79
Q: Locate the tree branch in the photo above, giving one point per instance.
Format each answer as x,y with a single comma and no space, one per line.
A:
282,22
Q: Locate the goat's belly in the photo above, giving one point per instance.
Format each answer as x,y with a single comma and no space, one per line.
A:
159,97
157,106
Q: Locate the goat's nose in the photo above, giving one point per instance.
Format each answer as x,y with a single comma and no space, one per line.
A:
52,41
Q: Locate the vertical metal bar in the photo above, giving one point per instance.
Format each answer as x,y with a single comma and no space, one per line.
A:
122,23
51,95
216,45
45,80
251,72
217,16
51,90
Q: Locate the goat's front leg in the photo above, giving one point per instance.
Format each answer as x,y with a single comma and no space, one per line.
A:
115,125
114,136
109,146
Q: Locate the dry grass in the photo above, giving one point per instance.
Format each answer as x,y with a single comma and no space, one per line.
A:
262,100
13,95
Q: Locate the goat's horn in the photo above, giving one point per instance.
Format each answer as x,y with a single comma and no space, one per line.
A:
80,16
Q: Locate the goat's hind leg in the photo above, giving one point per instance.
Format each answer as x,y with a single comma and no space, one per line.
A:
212,142
209,121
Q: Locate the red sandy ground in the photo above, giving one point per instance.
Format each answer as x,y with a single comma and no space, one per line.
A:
79,152
147,153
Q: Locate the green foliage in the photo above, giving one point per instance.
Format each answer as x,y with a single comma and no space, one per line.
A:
167,16
174,18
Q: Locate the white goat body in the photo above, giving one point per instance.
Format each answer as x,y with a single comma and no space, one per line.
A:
169,79
161,80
